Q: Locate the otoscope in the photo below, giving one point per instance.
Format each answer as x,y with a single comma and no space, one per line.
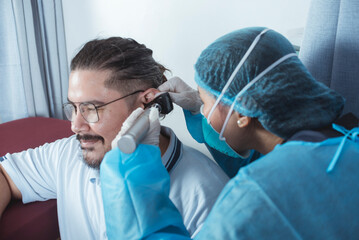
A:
133,136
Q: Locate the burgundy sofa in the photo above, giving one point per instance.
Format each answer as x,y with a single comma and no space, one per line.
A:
36,220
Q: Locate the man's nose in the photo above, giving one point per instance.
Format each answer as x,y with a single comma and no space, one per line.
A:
79,124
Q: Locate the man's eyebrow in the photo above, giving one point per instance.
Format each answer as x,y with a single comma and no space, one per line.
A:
95,102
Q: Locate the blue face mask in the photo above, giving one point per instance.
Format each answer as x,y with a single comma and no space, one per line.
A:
211,136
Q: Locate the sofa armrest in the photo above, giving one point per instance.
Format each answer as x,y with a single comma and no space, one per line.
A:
37,220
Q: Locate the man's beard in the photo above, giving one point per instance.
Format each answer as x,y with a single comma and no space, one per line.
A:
91,162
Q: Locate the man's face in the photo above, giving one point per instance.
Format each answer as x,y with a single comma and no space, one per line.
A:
87,86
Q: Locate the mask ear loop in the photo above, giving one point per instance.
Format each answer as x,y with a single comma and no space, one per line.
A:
265,71
234,73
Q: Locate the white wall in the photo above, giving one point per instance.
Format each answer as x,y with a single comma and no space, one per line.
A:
177,31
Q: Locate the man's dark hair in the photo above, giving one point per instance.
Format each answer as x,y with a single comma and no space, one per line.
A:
131,64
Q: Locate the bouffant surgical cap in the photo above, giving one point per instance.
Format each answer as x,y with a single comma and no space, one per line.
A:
285,100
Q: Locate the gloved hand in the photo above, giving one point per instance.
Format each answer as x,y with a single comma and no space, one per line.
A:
182,94
153,135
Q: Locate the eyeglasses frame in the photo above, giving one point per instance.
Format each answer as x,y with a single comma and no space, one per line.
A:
99,106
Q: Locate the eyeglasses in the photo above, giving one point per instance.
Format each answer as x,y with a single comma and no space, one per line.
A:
88,110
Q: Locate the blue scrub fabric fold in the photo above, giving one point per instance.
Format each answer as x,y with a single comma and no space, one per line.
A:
135,189
287,194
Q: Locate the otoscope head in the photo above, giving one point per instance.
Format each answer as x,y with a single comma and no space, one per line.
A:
163,103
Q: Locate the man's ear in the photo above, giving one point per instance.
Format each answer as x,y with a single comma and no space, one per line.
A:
148,95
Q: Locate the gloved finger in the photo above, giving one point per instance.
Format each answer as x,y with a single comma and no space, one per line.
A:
188,100
154,115
153,135
126,125
166,87
179,98
130,120
159,93
175,84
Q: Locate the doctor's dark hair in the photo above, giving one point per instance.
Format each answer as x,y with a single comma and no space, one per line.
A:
131,64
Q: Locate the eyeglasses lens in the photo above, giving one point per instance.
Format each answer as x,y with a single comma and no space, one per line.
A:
87,110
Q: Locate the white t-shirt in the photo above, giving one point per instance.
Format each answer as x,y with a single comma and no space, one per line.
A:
57,171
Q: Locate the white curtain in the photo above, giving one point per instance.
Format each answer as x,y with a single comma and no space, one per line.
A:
33,63
330,47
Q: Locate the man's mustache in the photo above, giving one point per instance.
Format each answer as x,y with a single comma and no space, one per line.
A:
89,137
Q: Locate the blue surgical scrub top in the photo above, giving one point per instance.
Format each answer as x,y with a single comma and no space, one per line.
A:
286,194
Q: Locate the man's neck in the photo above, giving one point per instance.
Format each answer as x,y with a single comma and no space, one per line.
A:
164,142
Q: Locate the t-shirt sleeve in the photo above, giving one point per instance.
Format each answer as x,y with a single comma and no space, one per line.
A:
34,171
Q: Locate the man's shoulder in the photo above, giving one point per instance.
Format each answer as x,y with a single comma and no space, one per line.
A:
192,162
64,150
196,164
66,143
191,152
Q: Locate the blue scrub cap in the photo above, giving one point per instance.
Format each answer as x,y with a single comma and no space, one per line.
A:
285,100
